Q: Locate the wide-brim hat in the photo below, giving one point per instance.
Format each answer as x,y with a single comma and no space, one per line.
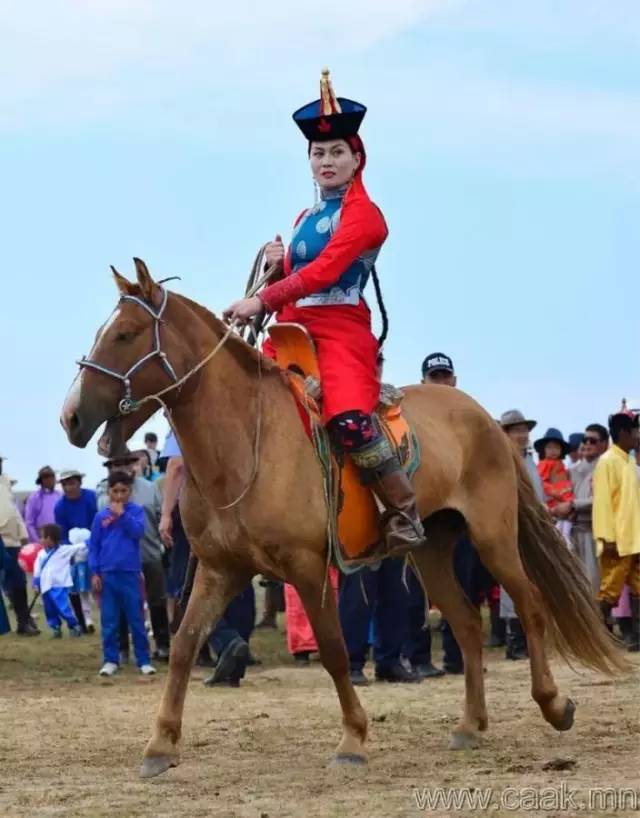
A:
45,470
329,117
67,474
551,435
514,417
128,457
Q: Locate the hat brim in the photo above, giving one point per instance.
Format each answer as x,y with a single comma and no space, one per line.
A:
75,476
435,369
540,444
123,460
531,424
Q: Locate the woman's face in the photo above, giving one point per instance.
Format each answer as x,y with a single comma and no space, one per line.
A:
333,164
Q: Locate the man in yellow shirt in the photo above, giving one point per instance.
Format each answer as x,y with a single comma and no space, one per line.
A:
616,520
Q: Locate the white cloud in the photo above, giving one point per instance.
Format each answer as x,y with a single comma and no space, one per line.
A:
205,69
53,50
460,106
553,23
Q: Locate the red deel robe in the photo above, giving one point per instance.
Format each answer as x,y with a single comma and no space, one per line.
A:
347,348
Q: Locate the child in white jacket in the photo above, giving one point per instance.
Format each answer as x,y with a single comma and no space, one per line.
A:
52,577
80,574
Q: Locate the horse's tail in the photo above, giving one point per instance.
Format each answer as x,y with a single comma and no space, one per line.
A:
574,622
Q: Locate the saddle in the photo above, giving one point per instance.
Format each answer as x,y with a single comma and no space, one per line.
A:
354,513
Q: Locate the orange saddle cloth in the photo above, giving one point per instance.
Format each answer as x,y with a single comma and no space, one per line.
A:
357,526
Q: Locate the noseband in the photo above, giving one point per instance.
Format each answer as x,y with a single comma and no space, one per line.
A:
128,404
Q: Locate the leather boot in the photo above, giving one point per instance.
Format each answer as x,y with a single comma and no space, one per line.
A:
402,527
76,604
634,642
498,635
271,605
19,600
605,610
625,625
160,625
516,641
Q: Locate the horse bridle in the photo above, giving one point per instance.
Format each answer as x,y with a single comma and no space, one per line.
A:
127,404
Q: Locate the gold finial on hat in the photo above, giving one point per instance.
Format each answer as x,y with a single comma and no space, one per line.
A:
328,101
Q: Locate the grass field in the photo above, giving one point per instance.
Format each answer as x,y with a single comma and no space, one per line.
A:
71,743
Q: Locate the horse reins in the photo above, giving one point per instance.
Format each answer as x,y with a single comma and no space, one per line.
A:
128,404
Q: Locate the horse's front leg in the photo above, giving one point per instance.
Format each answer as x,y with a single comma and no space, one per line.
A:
212,591
308,578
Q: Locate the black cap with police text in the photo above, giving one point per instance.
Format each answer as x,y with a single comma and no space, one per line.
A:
436,362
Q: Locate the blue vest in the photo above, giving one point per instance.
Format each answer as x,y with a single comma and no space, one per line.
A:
309,239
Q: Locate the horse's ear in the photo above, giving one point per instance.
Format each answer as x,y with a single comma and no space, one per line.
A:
124,286
148,287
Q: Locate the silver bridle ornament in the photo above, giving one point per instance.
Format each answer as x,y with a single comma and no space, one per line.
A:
128,404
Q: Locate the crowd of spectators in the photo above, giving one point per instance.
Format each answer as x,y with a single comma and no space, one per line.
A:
121,548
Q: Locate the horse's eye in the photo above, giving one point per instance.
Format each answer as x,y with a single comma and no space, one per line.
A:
123,337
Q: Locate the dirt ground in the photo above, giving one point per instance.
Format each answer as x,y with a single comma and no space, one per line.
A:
71,743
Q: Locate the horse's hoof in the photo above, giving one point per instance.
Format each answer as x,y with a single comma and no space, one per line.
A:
464,741
348,760
568,716
156,765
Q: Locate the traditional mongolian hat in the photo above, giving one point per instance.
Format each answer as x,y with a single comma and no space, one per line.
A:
329,117
551,435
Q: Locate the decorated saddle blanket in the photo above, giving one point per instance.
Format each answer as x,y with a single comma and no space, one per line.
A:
353,510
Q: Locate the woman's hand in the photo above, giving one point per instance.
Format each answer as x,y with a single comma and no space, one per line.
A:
243,310
96,584
274,252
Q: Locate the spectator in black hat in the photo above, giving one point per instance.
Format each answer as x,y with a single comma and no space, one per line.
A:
438,368
473,577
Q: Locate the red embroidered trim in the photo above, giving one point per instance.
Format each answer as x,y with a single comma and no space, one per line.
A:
282,292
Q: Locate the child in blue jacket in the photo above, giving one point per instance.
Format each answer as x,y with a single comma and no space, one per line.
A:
115,565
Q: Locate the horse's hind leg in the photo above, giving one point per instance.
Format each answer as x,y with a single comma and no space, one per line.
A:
212,591
504,563
323,615
435,567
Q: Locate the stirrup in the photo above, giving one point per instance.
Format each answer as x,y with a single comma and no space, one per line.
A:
387,515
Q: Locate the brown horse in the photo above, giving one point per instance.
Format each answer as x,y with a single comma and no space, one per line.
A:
470,480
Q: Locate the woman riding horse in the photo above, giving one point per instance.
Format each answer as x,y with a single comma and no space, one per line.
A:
334,247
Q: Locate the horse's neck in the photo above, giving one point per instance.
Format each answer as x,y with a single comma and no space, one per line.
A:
216,420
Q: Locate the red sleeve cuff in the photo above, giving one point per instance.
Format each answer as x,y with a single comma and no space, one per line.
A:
282,292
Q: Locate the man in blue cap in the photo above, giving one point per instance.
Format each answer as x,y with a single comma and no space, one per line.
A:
473,577
575,449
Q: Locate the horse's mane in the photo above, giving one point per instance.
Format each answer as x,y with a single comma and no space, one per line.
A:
243,352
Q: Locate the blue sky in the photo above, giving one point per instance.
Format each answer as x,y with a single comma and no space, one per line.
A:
504,147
